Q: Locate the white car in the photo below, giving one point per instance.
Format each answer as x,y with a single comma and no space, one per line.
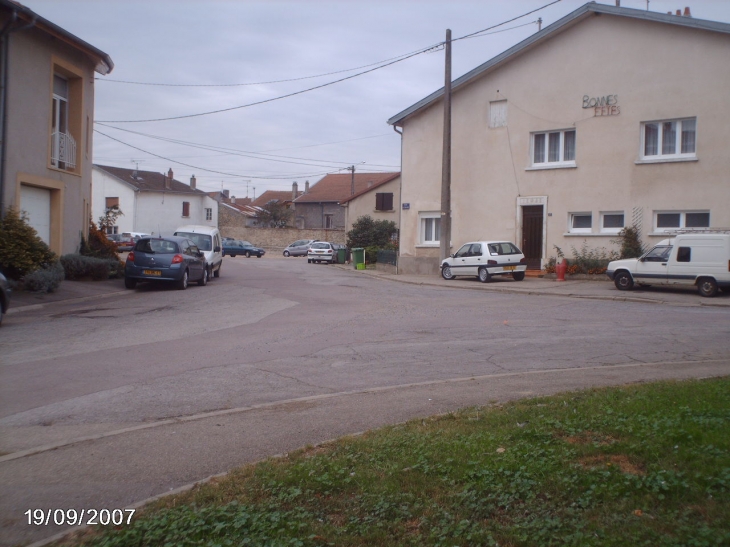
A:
484,260
321,251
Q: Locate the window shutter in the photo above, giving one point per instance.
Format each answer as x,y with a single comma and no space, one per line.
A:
378,202
388,201
186,209
112,202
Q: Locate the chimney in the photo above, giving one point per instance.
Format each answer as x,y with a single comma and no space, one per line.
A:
192,182
226,193
233,199
618,3
687,12
294,190
306,187
168,180
370,183
679,12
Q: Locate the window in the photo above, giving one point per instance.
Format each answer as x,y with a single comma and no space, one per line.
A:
554,149
668,221
670,139
497,114
430,228
63,145
612,223
684,254
186,209
580,223
112,202
208,213
328,224
112,230
505,248
384,201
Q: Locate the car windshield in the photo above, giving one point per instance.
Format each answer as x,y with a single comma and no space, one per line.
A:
203,241
658,254
320,245
246,243
158,246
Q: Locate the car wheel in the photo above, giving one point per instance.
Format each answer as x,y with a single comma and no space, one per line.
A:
518,276
223,253
286,254
217,273
183,283
707,286
248,254
204,280
446,272
232,256
130,283
309,261
484,276
258,256
623,281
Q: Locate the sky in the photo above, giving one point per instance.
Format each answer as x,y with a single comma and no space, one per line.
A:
182,58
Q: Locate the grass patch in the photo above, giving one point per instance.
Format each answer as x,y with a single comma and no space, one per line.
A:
637,465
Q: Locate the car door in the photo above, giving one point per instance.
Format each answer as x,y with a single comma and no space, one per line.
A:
195,263
474,260
460,263
651,269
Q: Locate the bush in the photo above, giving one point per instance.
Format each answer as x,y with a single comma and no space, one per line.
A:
47,279
77,266
21,250
98,245
367,232
631,245
590,261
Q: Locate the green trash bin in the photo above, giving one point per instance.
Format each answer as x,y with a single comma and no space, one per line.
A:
341,255
358,257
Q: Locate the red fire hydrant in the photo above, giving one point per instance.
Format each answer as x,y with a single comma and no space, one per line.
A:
560,270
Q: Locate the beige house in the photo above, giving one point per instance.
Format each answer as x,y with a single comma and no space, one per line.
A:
609,117
47,117
381,201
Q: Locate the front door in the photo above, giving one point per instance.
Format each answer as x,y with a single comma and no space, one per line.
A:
532,219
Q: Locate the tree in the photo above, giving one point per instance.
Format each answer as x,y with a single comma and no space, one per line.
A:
367,232
630,242
109,218
274,214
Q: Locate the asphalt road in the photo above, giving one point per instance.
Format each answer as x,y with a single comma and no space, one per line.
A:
106,403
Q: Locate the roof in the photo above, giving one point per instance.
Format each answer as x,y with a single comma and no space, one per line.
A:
584,12
337,187
148,181
25,16
369,189
274,195
243,208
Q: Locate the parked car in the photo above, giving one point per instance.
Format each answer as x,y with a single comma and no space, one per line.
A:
299,247
171,259
321,251
237,247
485,259
4,296
208,240
699,259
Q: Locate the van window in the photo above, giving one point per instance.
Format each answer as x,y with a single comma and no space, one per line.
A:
684,254
660,253
203,241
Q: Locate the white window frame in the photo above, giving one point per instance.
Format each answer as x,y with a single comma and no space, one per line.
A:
682,221
422,217
571,216
604,229
660,156
561,162
208,213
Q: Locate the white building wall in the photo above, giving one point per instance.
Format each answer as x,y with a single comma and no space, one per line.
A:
104,186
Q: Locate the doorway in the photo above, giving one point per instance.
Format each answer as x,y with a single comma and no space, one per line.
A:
532,222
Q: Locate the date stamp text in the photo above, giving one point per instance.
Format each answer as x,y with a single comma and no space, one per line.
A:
74,517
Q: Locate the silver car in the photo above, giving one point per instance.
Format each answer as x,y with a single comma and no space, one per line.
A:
299,247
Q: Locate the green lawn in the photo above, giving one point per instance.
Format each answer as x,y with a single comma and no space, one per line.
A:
637,465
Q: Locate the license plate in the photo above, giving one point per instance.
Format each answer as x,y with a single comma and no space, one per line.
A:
151,272
508,268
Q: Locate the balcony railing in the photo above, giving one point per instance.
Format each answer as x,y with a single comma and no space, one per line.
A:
63,150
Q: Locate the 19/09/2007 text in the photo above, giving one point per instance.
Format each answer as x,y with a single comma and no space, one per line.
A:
72,517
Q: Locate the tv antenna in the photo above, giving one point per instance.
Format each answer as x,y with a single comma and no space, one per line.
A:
136,164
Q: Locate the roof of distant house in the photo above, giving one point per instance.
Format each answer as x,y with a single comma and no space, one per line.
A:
148,181
375,186
338,187
283,196
26,16
587,10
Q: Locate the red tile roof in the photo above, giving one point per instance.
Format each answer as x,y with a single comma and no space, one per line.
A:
149,181
337,187
283,196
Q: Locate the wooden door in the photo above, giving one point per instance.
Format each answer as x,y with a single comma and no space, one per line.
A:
532,218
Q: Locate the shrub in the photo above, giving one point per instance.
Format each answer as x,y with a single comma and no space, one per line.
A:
21,250
77,266
98,245
367,232
590,261
631,245
46,279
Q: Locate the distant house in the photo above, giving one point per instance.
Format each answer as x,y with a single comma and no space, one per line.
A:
152,202
46,123
319,206
234,212
380,201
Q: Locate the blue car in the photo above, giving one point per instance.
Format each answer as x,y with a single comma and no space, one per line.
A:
236,247
172,259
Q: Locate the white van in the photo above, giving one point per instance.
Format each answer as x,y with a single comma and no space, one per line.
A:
701,259
208,240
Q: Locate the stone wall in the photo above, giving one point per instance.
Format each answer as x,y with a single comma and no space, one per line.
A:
273,239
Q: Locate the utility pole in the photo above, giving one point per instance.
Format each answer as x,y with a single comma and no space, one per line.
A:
445,235
352,180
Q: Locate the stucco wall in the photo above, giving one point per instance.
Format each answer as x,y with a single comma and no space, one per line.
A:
365,205
103,186
653,68
311,215
275,239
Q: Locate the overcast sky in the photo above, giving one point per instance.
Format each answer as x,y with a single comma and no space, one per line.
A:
194,51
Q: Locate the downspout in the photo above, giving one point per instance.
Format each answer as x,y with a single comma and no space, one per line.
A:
5,57
400,197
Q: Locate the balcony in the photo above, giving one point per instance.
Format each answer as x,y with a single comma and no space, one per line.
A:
63,150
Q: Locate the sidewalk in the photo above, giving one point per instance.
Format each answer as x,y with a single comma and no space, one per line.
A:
534,286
